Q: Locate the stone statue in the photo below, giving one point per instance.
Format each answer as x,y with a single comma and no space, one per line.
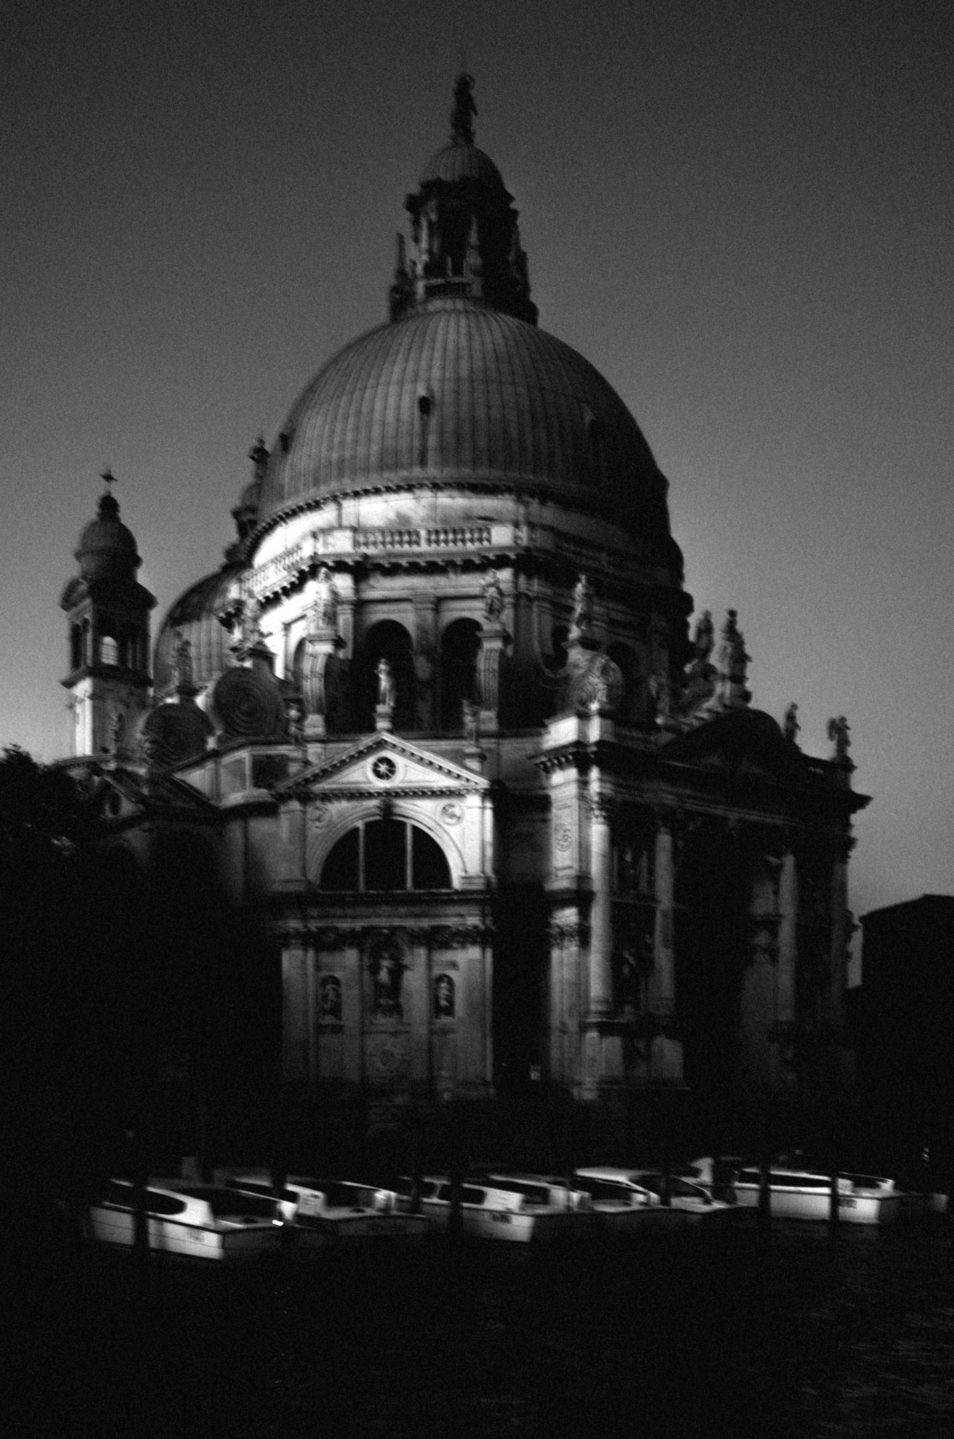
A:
838,732
387,972
582,605
182,660
117,728
464,111
703,640
251,618
471,718
662,699
493,598
790,725
385,685
732,660
296,722
324,609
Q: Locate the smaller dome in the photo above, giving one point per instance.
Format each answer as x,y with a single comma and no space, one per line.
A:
107,548
193,617
459,160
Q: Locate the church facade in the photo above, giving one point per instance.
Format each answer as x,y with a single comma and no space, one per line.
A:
494,811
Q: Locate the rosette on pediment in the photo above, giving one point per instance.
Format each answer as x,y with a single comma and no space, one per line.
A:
247,704
598,685
173,733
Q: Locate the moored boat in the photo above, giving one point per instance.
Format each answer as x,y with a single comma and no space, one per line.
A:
319,1213
199,1221
635,1200
515,1210
796,1193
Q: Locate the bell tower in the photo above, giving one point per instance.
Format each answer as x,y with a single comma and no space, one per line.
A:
108,626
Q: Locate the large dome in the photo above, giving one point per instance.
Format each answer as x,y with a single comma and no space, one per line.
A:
457,392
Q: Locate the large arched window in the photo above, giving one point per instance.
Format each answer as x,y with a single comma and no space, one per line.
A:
385,855
387,640
460,644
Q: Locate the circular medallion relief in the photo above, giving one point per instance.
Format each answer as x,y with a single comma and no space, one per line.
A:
452,812
384,768
388,1058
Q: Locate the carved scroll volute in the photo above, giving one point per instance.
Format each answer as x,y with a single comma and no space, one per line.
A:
313,667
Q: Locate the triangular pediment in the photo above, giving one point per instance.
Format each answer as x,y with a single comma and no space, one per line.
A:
384,763
742,743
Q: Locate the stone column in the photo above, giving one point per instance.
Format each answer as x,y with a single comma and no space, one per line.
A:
663,985
425,654
297,1018
665,1054
787,942
493,642
601,910
839,937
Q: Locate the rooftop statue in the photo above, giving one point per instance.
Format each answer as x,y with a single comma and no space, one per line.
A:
732,659
703,639
462,115
182,660
838,733
790,725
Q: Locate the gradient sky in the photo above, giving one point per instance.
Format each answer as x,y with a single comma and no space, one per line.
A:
740,212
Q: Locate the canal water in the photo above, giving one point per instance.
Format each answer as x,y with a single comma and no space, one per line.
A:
797,1335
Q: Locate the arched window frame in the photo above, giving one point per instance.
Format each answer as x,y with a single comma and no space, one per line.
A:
453,857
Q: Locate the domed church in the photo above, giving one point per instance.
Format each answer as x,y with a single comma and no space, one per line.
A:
495,813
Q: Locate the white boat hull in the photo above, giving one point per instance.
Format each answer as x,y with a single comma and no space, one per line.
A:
512,1226
815,1204
109,1225
351,1231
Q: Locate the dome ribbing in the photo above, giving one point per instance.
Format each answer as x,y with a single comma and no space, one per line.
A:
459,393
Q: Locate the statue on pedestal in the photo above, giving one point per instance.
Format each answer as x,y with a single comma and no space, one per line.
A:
493,598
838,733
385,685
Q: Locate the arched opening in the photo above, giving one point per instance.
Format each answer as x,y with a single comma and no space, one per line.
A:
387,640
623,656
712,930
460,645
108,650
385,855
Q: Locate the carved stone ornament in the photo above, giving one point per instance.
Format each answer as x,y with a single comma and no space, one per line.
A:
452,812
602,806
323,611
248,705
599,685
172,733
